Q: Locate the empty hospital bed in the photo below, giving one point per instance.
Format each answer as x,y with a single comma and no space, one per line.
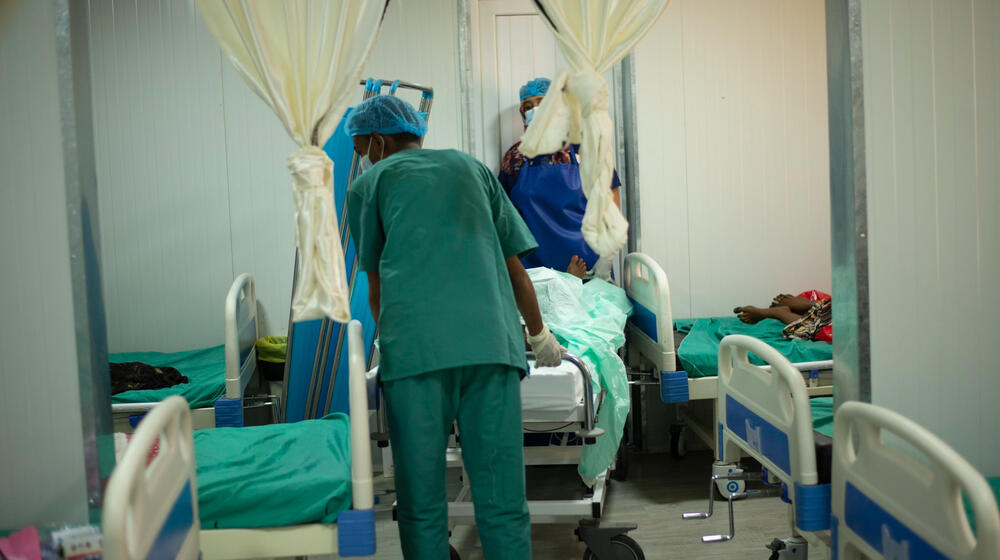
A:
654,355
858,493
217,376
254,499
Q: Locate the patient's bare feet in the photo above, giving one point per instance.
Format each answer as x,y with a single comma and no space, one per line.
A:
794,303
753,315
577,267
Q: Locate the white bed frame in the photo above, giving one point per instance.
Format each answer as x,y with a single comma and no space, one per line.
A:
764,413
240,354
585,512
650,333
887,504
141,499
580,421
884,503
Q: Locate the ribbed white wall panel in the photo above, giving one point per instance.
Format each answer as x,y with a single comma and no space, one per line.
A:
162,175
932,122
261,210
733,151
42,475
419,44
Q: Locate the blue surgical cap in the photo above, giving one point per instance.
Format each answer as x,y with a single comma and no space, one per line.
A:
385,114
538,86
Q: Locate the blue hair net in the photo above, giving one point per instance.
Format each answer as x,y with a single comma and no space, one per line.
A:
385,114
538,86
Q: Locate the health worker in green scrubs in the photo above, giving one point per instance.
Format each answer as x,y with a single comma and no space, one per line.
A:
440,243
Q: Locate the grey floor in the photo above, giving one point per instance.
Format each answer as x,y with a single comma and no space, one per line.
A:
658,490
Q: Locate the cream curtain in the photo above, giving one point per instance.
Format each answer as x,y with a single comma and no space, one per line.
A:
304,58
593,36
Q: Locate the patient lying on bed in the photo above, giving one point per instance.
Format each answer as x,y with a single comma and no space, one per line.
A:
806,316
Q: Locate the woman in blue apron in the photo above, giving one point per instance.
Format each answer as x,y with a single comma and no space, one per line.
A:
547,192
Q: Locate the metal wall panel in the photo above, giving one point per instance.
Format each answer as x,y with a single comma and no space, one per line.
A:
42,472
932,98
733,151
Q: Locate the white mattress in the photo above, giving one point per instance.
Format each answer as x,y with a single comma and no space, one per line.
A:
547,394
558,389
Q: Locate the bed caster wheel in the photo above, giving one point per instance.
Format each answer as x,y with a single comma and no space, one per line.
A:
678,445
453,554
620,472
589,440
624,547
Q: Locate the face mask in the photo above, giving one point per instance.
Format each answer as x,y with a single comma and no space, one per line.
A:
366,162
529,114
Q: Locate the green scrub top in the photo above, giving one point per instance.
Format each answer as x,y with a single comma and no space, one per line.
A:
437,227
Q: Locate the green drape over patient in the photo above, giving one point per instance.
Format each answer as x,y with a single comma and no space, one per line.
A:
589,320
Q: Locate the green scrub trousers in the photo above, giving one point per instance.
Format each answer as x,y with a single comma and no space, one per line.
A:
486,401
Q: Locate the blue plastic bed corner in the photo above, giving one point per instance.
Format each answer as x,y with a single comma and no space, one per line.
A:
674,387
356,533
812,506
229,413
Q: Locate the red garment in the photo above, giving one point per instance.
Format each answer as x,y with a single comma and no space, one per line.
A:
826,333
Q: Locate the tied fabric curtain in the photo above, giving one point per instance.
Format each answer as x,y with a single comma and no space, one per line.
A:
304,59
593,36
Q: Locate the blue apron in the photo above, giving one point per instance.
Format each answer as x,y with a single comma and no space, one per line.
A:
550,198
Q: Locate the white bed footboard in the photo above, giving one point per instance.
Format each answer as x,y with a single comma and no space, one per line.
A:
766,413
651,327
241,335
154,507
895,505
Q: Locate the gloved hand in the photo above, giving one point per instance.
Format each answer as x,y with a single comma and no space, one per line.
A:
548,351
602,268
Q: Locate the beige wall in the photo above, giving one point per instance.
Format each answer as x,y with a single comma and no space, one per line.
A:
733,151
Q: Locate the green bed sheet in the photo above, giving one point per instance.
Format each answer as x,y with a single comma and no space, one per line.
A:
205,369
699,352
822,415
274,475
995,486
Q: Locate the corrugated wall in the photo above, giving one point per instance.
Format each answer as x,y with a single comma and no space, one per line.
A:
932,111
191,165
733,151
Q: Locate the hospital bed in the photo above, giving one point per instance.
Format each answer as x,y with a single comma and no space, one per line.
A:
559,402
654,355
152,502
217,376
855,493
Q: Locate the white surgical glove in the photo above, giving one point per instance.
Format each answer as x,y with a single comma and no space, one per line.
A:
602,268
548,352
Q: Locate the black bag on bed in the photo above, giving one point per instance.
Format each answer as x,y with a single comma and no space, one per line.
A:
131,376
